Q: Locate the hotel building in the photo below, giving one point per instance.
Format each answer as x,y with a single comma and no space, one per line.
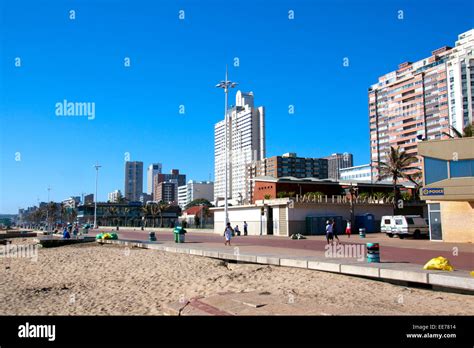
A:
286,165
245,143
336,162
133,181
151,171
421,100
194,190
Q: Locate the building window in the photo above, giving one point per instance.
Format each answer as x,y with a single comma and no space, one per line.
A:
461,168
435,170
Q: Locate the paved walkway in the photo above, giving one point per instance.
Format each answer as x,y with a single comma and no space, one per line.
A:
417,252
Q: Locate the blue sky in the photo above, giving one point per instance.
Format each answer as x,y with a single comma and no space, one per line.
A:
178,62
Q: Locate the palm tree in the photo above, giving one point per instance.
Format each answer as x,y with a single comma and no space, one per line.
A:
51,208
416,178
466,132
154,211
144,212
162,206
127,213
113,212
396,167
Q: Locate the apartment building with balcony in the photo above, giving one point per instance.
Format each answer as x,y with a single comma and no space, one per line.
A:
421,100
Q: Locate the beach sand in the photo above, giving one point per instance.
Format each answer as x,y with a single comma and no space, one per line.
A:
93,279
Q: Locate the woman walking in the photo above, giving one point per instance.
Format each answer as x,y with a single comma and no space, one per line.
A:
329,235
228,234
348,229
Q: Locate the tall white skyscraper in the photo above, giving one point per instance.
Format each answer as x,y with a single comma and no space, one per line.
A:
246,143
153,169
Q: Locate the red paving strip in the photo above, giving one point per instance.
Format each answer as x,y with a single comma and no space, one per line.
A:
207,308
463,260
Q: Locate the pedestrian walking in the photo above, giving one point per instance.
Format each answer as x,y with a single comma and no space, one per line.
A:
245,228
228,234
329,235
334,230
348,229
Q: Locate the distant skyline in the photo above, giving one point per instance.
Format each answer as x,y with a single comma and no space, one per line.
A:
174,65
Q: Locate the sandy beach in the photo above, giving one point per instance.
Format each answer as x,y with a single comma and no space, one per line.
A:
93,279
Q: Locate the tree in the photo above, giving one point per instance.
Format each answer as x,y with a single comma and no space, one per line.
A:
52,209
127,213
282,194
162,207
267,196
113,213
154,212
416,178
466,132
145,211
396,168
198,201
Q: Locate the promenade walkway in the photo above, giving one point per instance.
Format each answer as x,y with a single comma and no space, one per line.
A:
395,264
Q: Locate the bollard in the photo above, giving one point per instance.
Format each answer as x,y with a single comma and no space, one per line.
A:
152,236
373,252
362,232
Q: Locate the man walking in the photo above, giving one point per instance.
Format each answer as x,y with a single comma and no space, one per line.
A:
245,228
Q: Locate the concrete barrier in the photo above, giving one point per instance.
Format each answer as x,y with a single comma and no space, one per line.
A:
451,281
405,275
299,263
325,266
363,271
268,260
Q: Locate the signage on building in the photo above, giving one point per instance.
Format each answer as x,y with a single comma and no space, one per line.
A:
431,191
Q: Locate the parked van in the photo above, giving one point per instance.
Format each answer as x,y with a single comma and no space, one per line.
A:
403,226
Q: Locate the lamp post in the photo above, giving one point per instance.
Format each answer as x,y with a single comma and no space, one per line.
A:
226,84
97,166
47,210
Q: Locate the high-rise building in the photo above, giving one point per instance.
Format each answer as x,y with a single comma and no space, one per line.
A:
174,177
337,161
245,143
288,164
133,181
115,196
166,192
195,190
421,100
152,170
356,173
88,198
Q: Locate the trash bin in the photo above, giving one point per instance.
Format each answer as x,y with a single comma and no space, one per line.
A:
373,252
152,236
362,232
179,234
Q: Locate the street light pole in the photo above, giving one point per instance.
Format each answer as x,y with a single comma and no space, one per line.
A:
47,210
97,166
225,85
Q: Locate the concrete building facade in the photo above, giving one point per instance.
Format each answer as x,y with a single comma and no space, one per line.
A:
356,173
166,192
286,165
114,196
421,100
336,162
245,143
133,181
448,188
194,190
152,170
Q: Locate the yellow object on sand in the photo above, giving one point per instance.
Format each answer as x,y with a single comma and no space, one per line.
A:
439,263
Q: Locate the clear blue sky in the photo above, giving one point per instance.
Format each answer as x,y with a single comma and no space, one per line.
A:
176,62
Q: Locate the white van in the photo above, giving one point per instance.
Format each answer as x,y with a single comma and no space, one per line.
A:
403,226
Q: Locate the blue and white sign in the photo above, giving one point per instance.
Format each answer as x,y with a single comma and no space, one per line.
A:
431,191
